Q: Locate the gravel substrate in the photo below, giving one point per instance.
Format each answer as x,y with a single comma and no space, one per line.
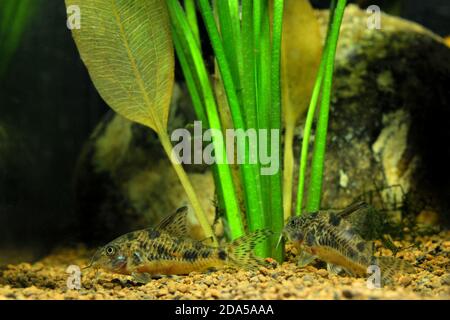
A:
47,279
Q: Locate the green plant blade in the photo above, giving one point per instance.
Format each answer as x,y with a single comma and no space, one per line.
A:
310,116
317,165
276,192
189,45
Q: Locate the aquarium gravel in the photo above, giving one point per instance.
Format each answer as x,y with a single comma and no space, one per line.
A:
47,279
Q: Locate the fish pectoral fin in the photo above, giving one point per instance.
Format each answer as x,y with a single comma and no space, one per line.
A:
143,277
305,258
334,269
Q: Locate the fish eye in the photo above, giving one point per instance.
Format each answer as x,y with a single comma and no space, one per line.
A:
292,223
110,250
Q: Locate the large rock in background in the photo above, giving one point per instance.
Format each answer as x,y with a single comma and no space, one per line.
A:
389,115
389,127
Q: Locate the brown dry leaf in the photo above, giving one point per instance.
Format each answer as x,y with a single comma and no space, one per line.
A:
301,53
300,59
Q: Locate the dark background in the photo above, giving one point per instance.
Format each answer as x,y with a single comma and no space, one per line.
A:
49,107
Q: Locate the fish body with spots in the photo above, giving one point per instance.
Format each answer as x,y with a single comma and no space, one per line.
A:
328,236
167,250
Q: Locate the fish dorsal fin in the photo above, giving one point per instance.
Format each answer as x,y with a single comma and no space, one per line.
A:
353,208
175,224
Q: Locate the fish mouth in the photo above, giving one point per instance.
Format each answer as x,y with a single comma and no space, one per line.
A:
119,264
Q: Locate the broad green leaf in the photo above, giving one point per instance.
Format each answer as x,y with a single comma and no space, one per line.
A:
127,48
301,53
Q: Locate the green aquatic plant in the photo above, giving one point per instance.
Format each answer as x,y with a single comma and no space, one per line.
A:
233,43
15,15
128,46
323,81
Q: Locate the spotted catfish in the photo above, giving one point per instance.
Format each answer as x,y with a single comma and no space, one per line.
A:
331,238
167,250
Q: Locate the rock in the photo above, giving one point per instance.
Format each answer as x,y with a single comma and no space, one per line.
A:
214,293
322,272
183,288
389,117
307,279
347,294
386,143
445,280
162,292
405,280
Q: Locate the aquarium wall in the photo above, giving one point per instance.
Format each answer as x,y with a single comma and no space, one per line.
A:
48,110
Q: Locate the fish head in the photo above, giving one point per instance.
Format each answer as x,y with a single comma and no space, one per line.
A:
111,257
294,230
298,228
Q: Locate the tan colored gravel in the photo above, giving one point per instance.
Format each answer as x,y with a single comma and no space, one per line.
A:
47,279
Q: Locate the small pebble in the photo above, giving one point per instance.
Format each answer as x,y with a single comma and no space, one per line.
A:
405,280
347,294
322,272
445,280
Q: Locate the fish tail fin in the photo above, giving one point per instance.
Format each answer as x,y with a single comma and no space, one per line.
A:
390,266
240,251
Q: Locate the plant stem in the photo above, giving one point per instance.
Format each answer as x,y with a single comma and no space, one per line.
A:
275,123
315,186
184,179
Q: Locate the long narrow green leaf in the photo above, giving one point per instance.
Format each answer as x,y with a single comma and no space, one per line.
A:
310,116
264,95
187,40
191,15
315,186
275,122
247,72
230,41
190,80
252,184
